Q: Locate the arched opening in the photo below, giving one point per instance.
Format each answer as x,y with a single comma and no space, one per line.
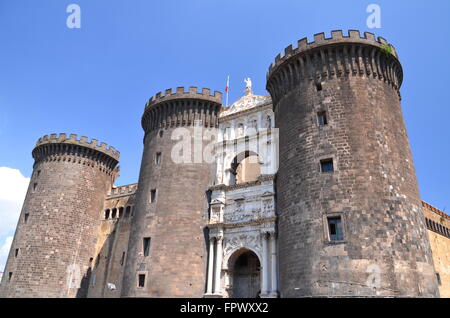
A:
245,168
245,274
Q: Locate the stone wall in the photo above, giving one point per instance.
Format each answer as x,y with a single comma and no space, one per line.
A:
53,248
385,251
111,249
175,218
438,224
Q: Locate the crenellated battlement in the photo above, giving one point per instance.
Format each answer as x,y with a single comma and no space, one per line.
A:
193,92
337,37
128,189
182,108
337,56
82,141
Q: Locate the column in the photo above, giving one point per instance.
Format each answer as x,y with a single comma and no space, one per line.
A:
265,267
217,285
273,258
210,266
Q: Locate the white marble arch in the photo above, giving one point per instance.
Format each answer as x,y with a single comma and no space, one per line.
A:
232,256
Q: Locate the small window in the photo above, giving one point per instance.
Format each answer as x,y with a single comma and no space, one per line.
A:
25,218
127,212
10,276
152,195
34,186
327,166
322,118
122,259
16,253
158,158
438,277
319,86
141,280
146,246
38,173
120,212
114,213
107,214
335,229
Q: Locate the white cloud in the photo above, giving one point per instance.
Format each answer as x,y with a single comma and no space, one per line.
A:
4,251
13,188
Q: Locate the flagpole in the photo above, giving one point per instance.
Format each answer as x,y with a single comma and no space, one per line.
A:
227,89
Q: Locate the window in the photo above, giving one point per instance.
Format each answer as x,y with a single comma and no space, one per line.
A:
127,212
10,276
152,195
158,158
141,280
120,212
114,213
319,86
327,166
146,246
107,214
34,186
122,259
438,277
335,229
322,118
16,253
38,173
25,218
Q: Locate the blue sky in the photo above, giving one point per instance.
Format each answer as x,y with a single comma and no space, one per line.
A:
94,81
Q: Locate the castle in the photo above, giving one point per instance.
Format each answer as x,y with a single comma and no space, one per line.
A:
309,192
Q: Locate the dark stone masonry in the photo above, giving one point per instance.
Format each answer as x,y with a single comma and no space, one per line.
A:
348,214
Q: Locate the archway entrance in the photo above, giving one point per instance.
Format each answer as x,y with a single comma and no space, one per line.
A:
245,275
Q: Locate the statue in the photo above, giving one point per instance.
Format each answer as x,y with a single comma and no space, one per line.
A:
248,86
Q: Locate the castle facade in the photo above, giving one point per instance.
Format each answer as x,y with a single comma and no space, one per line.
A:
310,191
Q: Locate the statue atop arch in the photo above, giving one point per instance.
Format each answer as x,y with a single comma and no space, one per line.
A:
248,86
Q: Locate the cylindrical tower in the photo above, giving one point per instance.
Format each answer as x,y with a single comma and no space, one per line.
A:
53,247
166,252
350,216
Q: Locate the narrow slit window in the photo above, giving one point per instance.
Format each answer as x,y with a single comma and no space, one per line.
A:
158,158
16,253
141,280
122,259
335,229
146,246
438,277
319,86
10,276
322,118
327,166
34,186
25,217
153,196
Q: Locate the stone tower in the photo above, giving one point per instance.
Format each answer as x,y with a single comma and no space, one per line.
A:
350,215
167,247
53,247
